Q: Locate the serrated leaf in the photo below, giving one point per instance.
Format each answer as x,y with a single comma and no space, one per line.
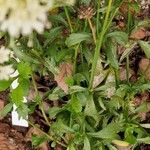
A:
59,128
6,110
109,132
145,47
24,69
75,105
111,55
90,108
76,38
54,111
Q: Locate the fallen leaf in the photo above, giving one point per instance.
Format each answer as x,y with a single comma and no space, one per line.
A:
65,70
123,74
99,78
144,66
139,34
124,8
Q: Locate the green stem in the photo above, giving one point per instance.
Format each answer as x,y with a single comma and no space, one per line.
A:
75,58
68,18
127,68
127,58
97,17
50,137
40,105
99,45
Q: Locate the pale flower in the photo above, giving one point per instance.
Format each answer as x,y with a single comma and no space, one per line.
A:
5,72
4,54
24,17
4,8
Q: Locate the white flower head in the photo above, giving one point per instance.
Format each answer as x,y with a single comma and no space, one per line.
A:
4,54
24,17
5,72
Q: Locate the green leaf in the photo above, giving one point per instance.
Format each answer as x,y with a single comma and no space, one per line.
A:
144,140
90,108
75,105
71,147
51,66
17,95
37,140
144,23
87,145
144,107
4,84
111,55
23,110
120,37
22,56
51,35
76,38
59,128
54,111
53,97
76,88
145,47
24,70
111,147
109,132
6,110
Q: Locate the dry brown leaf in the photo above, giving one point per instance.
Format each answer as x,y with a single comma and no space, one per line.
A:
34,131
124,8
144,67
123,74
139,34
65,70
